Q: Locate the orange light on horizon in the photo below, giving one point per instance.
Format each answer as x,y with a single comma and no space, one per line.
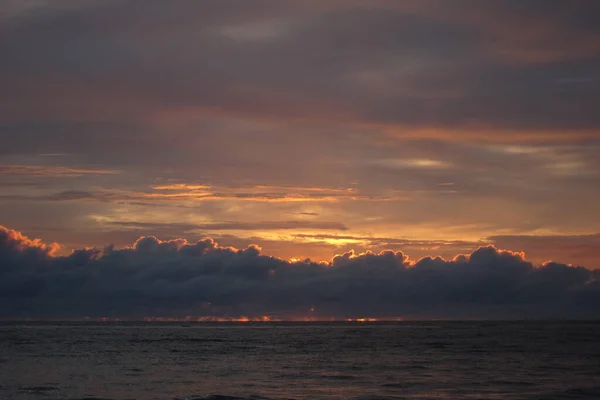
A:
209,318
362,320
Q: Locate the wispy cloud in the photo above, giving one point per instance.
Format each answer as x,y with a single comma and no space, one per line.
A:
393,242
230,225
200,193
52,171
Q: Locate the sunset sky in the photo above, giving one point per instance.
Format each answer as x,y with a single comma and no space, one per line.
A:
308,128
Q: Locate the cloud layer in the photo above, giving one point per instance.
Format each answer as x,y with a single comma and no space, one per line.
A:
420,63
178,278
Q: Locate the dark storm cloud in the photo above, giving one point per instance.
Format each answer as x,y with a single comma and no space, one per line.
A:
175,277
502,64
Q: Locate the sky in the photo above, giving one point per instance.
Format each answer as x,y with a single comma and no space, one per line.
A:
387,133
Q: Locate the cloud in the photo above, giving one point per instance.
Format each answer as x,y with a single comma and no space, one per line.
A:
53,171
232,225
392,242
177,278
215,193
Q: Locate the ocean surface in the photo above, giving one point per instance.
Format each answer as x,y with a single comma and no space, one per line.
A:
405,360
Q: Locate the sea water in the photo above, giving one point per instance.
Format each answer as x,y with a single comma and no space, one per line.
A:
406,360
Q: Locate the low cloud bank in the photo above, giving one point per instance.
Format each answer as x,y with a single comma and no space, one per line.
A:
178,278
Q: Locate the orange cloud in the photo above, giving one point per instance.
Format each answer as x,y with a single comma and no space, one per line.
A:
17,241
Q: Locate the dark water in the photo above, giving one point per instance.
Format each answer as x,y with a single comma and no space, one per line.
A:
434,360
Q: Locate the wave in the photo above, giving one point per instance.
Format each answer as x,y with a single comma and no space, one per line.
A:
580,393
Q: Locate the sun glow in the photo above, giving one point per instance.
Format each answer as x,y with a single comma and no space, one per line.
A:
362,320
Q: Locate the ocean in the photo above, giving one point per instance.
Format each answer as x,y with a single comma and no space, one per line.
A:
403,360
